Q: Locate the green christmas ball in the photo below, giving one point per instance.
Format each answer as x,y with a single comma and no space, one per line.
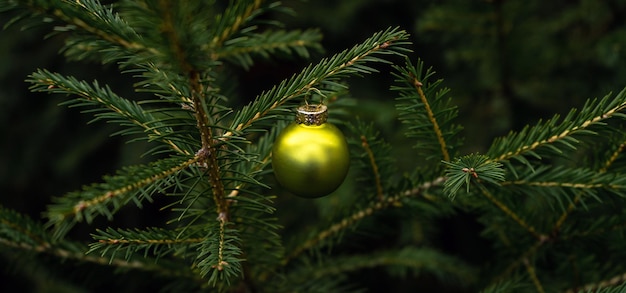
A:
310,157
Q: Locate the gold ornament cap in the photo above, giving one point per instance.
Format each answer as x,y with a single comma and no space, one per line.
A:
312,114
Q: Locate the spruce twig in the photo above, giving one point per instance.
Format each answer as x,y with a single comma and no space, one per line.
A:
96,96
603,169
533,276
370,154
231,21
208,151
422,105
606,283
351,61
431,117
520,260
416,259
115,191
62,253
358,215
592,113
511,214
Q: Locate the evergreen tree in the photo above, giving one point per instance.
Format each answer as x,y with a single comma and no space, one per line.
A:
549,197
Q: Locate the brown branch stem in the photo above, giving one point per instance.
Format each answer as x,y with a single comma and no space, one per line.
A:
117,241
572,205
431,116
84,204
523,258
511,214
361,214
561,135
48,248
208,151
370,154
533,276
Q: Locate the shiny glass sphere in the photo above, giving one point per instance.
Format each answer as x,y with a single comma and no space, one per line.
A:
310,160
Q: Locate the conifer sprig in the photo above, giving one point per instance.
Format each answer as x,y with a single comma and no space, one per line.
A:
109,106
614,284
219,255
155,242
131,184
415,260
326,73
556,135
106,29
18,231
424,106
608,163
233,19
469,168
243,50
559,177
75,251
21,230
372,160
326,236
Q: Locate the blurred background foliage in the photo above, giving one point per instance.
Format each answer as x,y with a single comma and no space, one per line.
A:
508,63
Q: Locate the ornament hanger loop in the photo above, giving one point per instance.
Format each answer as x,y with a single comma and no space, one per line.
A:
318,92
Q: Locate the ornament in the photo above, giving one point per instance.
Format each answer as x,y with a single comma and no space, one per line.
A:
310,157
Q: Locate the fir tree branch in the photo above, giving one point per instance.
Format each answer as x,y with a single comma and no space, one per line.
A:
551,132
266,43
155,241
509,285
569,178
166,241
114,191
431,116
609,162
572,205
592,232
94,95
82,205
372,161
219,254
208,151
358,215
370,154
416,259
326,71
562,184
562,218
471,168
65,254
521,259
18,231
92,17
230,22
18,228
604,284
612,158
426,111
511,214
533,276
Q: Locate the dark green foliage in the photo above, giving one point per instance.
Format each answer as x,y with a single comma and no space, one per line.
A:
541,208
